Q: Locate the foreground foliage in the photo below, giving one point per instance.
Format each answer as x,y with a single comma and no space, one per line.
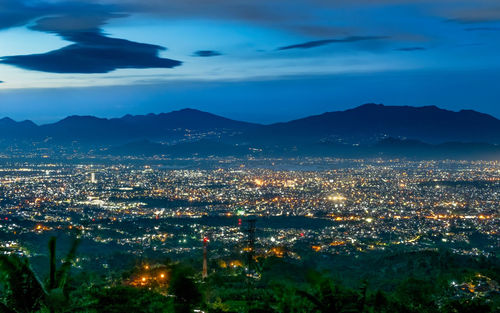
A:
400,282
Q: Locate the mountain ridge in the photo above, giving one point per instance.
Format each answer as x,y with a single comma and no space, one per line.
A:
366,125
426,123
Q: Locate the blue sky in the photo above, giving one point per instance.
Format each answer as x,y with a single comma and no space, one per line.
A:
254,60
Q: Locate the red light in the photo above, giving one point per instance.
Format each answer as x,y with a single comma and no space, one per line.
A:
93,220
239,221
301,234
205,240
6,218
157,217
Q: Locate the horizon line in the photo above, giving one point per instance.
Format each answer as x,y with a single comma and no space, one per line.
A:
237,120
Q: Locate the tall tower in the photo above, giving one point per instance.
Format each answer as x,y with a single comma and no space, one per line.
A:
204,274
93,180
250,244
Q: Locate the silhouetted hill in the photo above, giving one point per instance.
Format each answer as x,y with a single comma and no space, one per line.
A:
389,148
186,118
86,128
10,129
164,126
371,122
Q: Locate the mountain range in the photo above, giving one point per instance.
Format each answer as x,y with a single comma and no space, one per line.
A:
370,122
367,129
91,129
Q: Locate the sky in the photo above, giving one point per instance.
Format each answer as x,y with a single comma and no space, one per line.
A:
253,60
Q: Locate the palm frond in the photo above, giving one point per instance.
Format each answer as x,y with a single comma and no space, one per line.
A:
62,273
52,262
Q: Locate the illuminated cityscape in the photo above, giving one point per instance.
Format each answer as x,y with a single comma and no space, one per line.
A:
346,207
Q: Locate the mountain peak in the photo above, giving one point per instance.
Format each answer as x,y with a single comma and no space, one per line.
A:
369,106
189,110
7,120
81,117
389,107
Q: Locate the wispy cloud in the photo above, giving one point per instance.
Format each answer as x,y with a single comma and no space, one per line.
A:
206,53
411,49
318,43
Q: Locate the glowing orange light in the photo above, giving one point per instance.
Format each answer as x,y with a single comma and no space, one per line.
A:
337,243
316,248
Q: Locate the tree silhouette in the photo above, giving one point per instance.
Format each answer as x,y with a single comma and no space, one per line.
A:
185,291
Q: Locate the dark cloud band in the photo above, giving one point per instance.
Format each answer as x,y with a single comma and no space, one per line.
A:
91,51
318,43
206,53
94,53
408,49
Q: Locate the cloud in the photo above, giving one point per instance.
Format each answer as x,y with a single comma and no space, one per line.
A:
262,10
94,53
318,43
206,53
15,13
411,49
91,51
298,15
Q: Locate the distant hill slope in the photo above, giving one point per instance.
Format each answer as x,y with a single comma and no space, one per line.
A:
10,129
371,122
164,126
389,148
201,148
